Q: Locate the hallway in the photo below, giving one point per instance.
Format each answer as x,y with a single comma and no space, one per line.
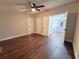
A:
38,47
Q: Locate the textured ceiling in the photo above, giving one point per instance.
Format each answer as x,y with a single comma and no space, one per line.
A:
15,5
23,1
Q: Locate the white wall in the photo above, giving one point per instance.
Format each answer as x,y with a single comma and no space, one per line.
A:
13,25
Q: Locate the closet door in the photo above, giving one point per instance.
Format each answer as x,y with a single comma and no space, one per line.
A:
45,25
38,25
30,25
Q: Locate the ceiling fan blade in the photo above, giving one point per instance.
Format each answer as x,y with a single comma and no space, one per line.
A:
37,9
39,6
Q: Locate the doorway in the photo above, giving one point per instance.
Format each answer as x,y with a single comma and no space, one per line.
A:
57,26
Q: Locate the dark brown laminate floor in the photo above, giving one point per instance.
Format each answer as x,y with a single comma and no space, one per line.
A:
36,47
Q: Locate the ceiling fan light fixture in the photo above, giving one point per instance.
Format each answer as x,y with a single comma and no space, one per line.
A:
33,10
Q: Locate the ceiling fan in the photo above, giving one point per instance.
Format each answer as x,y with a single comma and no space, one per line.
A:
33,6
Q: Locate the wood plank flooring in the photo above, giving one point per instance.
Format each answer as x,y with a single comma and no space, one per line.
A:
34,47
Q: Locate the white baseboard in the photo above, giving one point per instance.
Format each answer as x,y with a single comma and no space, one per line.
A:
7,38
75,53
68,40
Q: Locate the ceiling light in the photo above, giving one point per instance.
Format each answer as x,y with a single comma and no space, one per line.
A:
33,9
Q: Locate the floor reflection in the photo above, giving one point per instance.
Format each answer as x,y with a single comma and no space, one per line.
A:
56,48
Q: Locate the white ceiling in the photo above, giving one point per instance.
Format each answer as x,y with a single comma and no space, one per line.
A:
14,7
